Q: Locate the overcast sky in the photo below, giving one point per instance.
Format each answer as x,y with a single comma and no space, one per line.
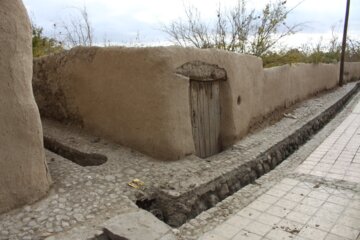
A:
123,20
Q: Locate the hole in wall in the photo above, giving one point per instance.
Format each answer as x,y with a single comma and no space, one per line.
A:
238,100
74,155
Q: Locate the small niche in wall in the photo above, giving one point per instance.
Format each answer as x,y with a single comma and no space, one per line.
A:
238,100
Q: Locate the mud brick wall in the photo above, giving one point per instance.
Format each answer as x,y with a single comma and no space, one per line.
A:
138,98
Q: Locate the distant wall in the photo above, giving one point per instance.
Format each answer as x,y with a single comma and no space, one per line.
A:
134,96
287,84
351,71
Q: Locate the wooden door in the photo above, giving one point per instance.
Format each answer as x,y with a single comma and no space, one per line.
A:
205,109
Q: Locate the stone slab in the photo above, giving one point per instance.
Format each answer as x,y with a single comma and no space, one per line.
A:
137,226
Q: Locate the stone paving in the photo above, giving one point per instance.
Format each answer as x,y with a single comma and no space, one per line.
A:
296,209
89,196
338,157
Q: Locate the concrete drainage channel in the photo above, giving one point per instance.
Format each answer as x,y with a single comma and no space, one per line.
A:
175,209
74,155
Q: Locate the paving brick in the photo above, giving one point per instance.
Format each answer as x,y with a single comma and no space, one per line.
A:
245,235
345,231
258,228
298,217
312,233
226,230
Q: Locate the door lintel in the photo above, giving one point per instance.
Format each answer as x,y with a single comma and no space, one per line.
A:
202,71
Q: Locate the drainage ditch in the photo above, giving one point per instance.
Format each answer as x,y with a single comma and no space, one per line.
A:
74,155
175,209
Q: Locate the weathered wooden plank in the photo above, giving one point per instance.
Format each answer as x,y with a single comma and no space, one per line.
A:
217,118
205,112
202,119
205,108
210,111
214,118
195,115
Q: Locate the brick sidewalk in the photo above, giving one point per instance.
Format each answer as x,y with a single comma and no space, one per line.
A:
304,210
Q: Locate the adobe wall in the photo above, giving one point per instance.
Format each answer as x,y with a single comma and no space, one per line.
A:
134,96
287,84
23,172
351,71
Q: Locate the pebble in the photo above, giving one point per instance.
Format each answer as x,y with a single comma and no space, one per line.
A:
109,178
32,224
65,224
130,171
58,229
56,210
25,220
27,209
49,225
79,217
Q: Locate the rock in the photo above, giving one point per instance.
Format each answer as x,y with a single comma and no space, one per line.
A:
273,163
58,229
223,191
253,176
65,224
266,167
177,219
48,225
130,171
109,178
136,225
32,224
213,199
79,217
259,169
245,180
26,219
27,209
201,206
24,177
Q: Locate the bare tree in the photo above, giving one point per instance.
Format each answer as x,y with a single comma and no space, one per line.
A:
239,30
78,31
334,45
272,27
192,32
233,28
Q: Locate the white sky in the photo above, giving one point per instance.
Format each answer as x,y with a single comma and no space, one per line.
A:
124,20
